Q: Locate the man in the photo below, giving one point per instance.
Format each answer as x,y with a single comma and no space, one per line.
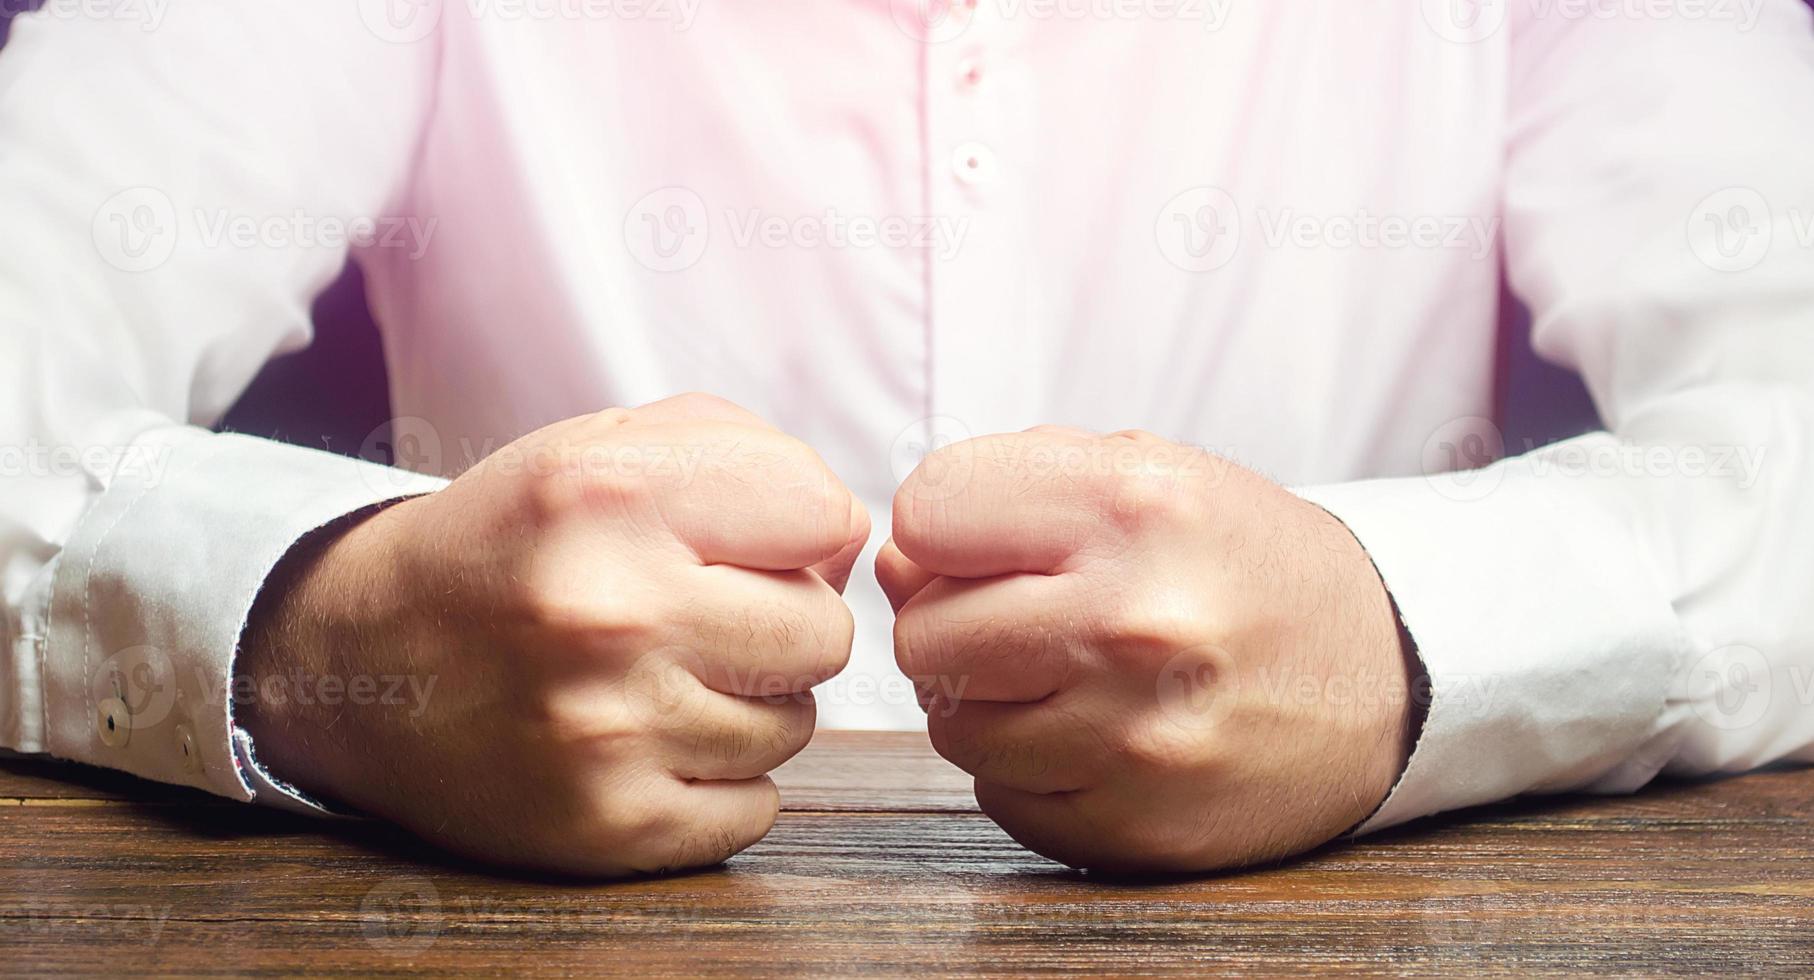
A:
1091,283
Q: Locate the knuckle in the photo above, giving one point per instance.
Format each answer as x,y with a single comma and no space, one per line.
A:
551,495
632,823
1155,622
943,474
609,418
571,721
560,483
585,613
1158,746
705,402
1144,494
815,501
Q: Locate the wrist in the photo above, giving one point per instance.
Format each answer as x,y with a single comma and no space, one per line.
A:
313,625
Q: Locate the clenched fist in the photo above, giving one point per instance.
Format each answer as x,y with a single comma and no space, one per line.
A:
1167,663
621,616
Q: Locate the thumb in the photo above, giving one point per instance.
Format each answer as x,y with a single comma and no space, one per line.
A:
836,569
899,577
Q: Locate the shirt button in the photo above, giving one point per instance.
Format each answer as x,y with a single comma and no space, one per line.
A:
185,744
113,722
970,73
973,163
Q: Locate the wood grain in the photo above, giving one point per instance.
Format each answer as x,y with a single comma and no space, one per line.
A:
882,866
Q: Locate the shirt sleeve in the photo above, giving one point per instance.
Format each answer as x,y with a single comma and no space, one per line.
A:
175,193
1637,600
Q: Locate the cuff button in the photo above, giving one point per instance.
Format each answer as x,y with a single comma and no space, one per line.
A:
114,723
185,744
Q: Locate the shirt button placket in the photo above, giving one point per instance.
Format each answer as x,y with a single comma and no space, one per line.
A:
973,196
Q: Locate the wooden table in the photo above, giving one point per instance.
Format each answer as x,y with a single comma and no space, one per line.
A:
881,865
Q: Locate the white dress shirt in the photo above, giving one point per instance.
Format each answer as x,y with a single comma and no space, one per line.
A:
1274,230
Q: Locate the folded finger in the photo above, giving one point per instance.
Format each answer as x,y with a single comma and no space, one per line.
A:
736,738
1053,746
1013,638
761,634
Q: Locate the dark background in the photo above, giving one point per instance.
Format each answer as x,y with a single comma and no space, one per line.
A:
334,395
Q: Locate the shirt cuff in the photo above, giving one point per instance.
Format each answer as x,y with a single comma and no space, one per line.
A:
1549,646
152,591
